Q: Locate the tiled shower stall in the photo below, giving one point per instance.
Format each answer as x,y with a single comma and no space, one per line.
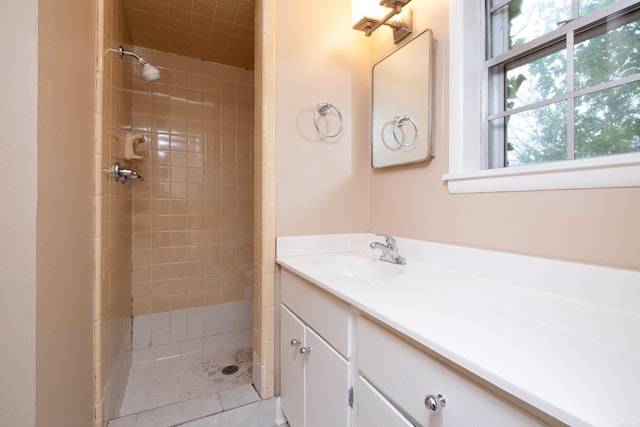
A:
178,245
188,253
192,216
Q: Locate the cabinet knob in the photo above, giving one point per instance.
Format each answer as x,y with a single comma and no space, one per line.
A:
305,350
435,403
295,342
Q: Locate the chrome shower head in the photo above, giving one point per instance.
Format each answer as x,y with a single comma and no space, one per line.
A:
149,72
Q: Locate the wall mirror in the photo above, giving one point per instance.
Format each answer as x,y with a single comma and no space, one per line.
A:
402,86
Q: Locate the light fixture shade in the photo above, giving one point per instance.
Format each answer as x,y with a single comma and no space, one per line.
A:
368,8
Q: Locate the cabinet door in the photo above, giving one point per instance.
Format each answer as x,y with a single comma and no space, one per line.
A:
327,385
375,410
291,368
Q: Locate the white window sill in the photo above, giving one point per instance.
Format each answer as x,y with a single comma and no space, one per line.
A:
603,172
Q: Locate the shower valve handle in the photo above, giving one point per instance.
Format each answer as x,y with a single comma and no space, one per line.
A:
121,174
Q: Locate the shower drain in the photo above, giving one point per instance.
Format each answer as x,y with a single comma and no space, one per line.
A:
230,369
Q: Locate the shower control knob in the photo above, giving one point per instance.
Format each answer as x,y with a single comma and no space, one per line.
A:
295,342
435,403
305,350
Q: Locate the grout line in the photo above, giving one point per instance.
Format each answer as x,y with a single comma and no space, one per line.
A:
259,402
238,408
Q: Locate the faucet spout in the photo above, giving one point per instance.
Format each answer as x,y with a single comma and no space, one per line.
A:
389,250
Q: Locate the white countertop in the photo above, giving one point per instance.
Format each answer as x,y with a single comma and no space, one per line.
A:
575,359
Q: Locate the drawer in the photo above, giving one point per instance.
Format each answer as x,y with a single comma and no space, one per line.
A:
405,375
375,410
324,313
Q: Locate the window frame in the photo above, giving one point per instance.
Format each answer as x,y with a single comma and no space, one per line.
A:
468,150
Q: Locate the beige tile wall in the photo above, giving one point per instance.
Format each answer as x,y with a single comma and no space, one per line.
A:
113,253
264,232
193,213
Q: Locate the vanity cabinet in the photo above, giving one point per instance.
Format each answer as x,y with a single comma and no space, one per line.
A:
328,346
292,333
314,353
412,379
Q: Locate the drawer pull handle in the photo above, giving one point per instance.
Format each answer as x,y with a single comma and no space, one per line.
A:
435,403
305,350
295,342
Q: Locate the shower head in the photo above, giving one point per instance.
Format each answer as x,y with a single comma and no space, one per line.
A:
149,72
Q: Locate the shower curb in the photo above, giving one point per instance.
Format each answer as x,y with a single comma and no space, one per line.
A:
261,413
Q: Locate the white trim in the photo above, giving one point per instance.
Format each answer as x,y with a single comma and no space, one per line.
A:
465,90
466,155
603,172
280,418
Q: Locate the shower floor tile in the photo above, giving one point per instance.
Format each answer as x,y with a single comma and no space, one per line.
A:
169,381
172,415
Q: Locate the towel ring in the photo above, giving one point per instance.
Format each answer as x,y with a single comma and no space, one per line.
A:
398,122
323,109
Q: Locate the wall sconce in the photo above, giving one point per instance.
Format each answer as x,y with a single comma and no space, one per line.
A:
371,17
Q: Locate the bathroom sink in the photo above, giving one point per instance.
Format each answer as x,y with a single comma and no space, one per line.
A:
358,267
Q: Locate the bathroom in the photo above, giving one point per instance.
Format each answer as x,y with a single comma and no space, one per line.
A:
302,185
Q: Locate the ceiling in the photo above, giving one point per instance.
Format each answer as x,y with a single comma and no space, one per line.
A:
220,31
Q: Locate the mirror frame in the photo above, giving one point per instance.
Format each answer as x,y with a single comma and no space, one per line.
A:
402,87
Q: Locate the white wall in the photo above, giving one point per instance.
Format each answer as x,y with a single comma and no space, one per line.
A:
18,191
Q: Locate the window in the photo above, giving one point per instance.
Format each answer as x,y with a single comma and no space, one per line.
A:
550,100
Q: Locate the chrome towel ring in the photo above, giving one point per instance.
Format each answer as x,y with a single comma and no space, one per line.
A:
398,122
323,109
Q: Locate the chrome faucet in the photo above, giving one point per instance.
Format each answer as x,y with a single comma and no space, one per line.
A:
389,251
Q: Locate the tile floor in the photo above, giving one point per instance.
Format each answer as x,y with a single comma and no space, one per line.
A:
190,390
